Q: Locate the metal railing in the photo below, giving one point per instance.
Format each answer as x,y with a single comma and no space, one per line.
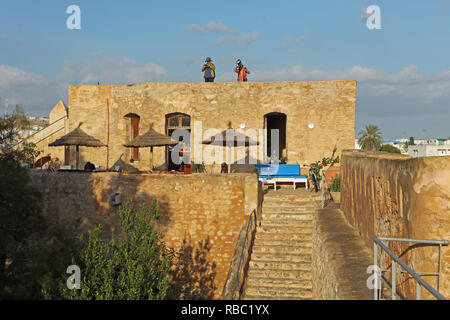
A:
396,260
40,131
241,265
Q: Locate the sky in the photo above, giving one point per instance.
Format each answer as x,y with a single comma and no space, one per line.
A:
402,69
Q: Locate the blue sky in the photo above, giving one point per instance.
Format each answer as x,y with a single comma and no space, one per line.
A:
403,70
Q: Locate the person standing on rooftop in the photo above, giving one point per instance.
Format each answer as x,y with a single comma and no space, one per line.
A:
209,70
241,71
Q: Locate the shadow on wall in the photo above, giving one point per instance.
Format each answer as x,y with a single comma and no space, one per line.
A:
193,275
85,197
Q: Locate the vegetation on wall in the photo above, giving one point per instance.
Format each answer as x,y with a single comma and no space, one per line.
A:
390,148
335,185
326,161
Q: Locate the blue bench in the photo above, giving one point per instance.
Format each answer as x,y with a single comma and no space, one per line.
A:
273,173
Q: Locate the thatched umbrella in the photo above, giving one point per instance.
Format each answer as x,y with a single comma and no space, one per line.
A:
77,138
151,139
223,139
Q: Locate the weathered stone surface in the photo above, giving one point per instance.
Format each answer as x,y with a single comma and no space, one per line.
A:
329,105
192,208
340,259
390,195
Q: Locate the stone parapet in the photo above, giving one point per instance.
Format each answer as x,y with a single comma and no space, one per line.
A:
389,195
339,260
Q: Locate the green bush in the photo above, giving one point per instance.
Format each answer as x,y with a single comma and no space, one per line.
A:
335,184
198,168
132,266
389,148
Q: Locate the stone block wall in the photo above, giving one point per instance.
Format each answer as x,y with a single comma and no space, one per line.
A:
102,110
389,195
199,213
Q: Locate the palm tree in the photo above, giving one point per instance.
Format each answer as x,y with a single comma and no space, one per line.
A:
370,138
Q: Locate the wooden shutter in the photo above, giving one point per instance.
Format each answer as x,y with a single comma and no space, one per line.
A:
134,134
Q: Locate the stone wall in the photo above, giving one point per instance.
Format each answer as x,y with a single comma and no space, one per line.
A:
388,195
58,122
199,214
328,105
339,260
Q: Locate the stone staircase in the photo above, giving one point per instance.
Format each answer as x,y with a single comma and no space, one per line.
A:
280,263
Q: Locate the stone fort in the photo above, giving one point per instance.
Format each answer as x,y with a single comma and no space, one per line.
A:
312,117
296,250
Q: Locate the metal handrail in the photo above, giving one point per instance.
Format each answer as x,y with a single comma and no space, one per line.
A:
415,275
51,124
250,224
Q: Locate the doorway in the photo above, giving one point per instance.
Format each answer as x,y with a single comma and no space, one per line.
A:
176,121
275,120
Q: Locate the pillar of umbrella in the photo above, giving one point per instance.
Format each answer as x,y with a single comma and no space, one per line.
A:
151,139
230,138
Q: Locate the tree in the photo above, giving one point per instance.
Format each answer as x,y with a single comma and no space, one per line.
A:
11,127
411,142
370,138
134,265
20,216
390,148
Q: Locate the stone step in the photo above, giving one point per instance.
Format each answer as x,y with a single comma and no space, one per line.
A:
277,265
282,274
280,293
287,223
288,208
287,216
265,256
279,283
305,235
291,243
304,249
284,230
295,198
274,298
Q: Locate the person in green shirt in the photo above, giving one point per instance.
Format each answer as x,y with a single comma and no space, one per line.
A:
209,70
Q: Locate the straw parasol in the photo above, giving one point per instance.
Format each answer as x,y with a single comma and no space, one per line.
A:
77,138
223,139
151,139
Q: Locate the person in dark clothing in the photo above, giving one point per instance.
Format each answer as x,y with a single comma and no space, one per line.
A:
241,71
209,70
89,166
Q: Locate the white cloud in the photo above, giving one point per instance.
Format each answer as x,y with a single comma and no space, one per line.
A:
407,83
212,26
125,70
296,39
38,94
244,39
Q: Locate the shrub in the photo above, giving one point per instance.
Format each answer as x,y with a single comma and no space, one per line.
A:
389,148
134,266
335,184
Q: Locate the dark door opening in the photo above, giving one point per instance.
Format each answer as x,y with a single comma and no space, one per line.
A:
174,122
276,121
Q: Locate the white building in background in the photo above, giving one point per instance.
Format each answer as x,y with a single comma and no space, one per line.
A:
429,150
